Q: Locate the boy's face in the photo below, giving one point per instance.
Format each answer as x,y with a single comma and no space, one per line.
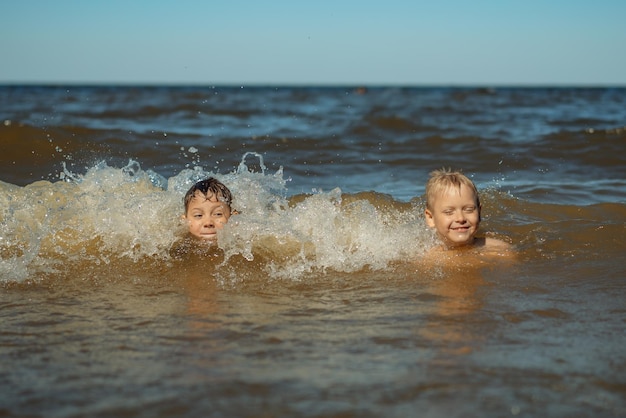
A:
455,215
205,215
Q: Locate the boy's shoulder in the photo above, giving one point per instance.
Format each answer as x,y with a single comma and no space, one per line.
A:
484,249
489,243
489,247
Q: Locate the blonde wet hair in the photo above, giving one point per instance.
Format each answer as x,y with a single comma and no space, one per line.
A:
442,180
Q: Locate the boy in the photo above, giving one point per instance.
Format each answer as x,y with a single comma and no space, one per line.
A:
453,210
207,208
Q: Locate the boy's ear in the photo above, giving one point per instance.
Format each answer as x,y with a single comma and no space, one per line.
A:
429,218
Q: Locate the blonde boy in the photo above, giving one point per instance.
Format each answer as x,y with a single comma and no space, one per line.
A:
453,211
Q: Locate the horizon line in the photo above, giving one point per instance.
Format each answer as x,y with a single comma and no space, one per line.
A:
304,85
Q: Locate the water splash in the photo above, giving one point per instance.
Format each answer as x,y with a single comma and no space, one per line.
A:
124,216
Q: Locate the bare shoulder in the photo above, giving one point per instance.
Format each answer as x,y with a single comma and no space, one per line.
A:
484,251
496,244
496,247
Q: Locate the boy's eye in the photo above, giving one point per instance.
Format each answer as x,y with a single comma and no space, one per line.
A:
470,209
448,212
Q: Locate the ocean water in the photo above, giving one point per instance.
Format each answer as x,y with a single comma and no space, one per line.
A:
319,300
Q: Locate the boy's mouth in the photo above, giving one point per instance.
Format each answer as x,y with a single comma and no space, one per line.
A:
461,228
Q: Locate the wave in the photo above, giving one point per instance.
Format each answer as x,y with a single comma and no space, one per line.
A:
115,216
116,220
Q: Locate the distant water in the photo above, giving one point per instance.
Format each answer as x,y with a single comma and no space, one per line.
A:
317,302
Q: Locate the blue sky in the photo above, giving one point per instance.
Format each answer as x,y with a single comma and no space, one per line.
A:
413,42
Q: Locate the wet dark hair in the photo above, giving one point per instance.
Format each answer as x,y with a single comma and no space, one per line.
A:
206,187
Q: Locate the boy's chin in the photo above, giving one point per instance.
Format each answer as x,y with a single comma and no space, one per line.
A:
209,239
451,244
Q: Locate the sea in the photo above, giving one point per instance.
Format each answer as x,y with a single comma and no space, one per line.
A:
320,298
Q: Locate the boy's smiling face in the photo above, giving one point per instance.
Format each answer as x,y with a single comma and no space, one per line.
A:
455,215
206,215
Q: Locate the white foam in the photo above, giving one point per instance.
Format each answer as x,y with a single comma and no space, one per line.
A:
126,213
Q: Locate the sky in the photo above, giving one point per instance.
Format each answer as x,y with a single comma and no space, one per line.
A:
294,42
